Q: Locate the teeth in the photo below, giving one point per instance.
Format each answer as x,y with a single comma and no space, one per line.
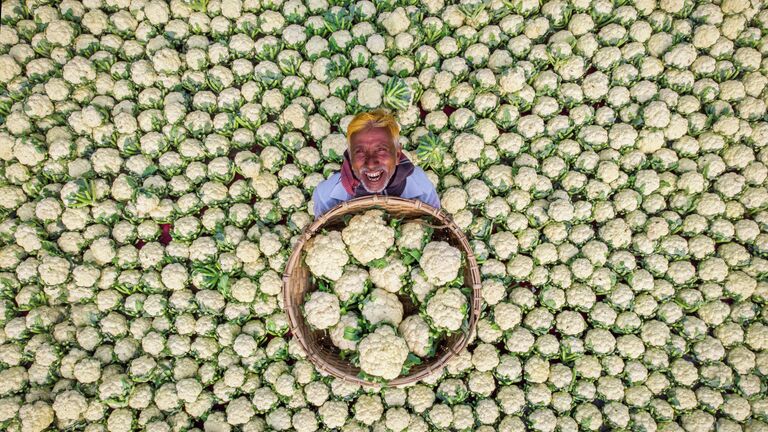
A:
373,177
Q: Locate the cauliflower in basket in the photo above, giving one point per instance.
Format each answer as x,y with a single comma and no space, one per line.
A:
389,276
383,353
382,306
441,262
368,236
420,287
413,235
447,309
365,273
417,335
322,310
327,256
344,334
351,284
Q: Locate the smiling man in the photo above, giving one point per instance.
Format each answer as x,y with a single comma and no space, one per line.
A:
374,164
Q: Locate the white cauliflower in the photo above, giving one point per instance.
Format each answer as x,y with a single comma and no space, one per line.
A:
467,147
383,353
351,284
37,416
412,236
368,236
343,334
417,335
322,310
382,307
54,270
440,262
327,256
368,409
396,21
333,414
390,275
447,309
70,405
419,286
370,93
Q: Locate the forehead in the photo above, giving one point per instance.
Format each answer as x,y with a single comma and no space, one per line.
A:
371,136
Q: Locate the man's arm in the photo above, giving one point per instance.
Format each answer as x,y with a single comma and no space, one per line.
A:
320,203
321,197
422,189
432,199
429,196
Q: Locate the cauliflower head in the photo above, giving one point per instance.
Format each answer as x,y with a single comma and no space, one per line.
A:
342,333
419,286
351,284
413,235
322,310
368,236
390,275
382,307
440,262
383,353
327,256
447,309
417,335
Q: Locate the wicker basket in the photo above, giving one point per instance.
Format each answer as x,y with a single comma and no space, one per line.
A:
296,282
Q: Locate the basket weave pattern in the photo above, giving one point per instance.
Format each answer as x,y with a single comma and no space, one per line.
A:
296,283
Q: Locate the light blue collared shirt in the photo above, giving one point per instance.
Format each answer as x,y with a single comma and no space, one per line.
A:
330,193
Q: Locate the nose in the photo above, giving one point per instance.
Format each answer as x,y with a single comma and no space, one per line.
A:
371,161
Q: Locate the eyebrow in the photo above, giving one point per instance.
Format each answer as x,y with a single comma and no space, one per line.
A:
377,145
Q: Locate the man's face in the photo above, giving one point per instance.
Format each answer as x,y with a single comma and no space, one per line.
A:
374,158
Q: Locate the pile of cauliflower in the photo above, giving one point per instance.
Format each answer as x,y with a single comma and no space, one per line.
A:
365,272
607,160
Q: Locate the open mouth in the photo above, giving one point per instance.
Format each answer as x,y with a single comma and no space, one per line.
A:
374,176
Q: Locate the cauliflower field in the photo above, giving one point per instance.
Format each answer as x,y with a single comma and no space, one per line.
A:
372,273
606,158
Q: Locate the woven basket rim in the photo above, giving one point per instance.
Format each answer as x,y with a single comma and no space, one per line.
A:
296,320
